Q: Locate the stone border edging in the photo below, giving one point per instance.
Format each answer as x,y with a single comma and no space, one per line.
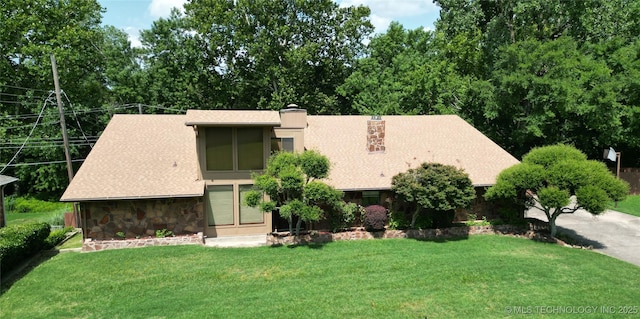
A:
318,237
97,245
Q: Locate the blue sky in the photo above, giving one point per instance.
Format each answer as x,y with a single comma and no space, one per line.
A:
135,15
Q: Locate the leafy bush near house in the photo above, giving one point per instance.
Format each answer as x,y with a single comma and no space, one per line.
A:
398,220
32,205
344,216
162,233
57,236
57,219
375,217
18,242
434,189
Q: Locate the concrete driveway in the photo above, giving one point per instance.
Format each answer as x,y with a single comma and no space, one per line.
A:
611,233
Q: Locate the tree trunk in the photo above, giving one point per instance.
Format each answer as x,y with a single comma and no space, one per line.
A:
298,226
290,225
552,225
413,218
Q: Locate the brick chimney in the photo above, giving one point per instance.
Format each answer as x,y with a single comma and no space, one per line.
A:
375,135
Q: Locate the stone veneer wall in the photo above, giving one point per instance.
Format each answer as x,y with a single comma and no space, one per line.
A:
453,232
97,245
375,136
142,217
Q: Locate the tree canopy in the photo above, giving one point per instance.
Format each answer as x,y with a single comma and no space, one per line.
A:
433,187
525,73
292,182
559,179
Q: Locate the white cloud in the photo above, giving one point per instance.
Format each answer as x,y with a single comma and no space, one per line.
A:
162,8
133,34
394,9
381,24
385,11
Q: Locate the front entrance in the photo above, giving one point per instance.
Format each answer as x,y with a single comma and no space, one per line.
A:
227,215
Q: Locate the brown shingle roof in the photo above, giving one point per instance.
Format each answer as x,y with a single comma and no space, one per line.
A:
154,156
232,117
139,156
409,141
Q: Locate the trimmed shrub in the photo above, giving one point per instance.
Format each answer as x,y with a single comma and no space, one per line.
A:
57,236
18,242
375,217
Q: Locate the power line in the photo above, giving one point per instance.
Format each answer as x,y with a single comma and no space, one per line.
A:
44,104
23,88
77,121
92,110
43,163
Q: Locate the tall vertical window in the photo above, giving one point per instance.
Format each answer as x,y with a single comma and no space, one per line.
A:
219,203
219,150
234,149
249,215
250,148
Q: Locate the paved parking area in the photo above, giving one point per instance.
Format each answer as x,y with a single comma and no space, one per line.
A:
611,233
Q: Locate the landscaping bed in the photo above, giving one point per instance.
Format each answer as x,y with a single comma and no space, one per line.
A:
96,245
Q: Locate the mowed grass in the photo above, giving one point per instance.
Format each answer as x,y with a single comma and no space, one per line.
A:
631,205
23,218
478,277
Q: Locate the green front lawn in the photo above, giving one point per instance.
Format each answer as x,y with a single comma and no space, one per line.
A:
23,218
478,277
630,206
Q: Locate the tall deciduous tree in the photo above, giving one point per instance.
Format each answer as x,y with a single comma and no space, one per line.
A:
559,180
270,53
33,30
547,71
405,73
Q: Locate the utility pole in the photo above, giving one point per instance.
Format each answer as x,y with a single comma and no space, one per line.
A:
65,139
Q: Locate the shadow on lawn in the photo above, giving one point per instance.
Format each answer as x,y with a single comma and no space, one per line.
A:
7,280
306,245
442,239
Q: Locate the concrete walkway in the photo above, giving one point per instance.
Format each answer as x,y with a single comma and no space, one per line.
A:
611,233
236,241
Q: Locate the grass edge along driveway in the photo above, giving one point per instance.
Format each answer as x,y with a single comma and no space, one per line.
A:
484,276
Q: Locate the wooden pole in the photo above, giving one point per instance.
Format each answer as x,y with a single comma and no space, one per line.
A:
3,219
63,125
618,154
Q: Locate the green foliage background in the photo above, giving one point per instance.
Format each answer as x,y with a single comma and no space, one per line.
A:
525,73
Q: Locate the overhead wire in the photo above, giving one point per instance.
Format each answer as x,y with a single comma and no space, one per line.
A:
44,163
23,88
77,121
44,105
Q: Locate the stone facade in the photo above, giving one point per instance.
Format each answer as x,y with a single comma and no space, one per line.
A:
142,217
97,245
375,135
430,234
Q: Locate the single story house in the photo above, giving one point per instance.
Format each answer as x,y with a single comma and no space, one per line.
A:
188,173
